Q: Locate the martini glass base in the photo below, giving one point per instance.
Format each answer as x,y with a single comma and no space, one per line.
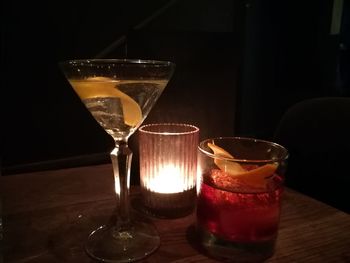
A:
109,245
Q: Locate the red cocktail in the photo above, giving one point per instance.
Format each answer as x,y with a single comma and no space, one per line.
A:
238,207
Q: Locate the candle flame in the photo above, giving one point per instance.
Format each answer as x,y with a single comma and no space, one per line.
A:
168,180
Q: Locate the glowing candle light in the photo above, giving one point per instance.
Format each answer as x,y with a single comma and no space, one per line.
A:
168,167
169,180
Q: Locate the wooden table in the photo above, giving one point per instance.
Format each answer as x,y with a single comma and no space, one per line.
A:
46,216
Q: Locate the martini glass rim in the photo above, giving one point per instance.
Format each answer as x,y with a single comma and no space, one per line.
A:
126,61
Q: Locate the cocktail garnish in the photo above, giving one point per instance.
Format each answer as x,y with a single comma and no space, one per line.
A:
102,87
224,165
254,177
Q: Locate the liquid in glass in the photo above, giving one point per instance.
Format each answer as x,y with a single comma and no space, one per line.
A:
238,216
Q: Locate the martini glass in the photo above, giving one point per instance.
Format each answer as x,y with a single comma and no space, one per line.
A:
119,94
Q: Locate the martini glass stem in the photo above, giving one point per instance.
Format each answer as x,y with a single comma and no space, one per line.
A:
121,160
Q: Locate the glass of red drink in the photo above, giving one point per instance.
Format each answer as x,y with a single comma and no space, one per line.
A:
239,197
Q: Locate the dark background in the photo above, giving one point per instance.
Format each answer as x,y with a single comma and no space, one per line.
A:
240,66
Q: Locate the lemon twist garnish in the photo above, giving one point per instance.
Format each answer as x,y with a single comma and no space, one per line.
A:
256,177
102,87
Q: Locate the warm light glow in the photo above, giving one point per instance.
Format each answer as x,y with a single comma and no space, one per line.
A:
114,157
169,180
199,178
117,187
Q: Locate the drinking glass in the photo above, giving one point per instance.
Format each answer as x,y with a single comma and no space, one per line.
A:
239,197
119,94
168,168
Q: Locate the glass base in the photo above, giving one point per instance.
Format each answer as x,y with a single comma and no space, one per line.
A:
168,205
108,245
239,252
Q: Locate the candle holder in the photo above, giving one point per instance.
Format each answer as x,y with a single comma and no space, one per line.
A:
168,168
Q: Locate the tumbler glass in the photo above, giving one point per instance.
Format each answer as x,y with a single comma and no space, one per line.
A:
239,197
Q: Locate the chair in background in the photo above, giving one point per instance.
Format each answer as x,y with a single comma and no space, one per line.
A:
316,133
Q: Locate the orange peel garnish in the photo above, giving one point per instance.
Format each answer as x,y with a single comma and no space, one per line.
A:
224,165
255,177
102,87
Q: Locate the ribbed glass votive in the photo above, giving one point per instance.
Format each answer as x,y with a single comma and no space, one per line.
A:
168,168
